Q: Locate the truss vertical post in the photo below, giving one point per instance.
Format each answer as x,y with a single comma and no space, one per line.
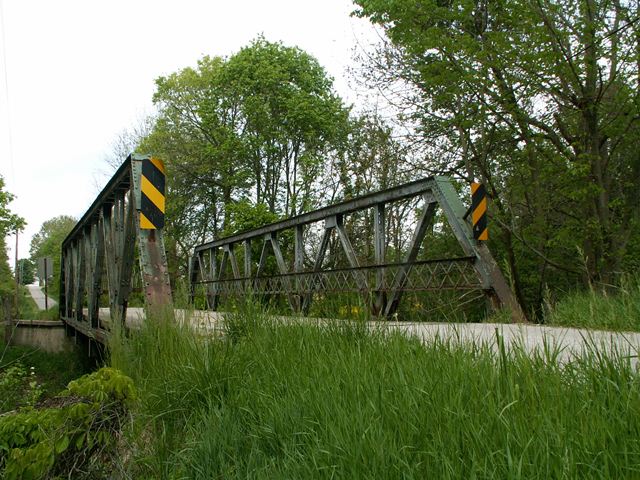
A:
379,247
126,238
97,240
414,247
213,271
247,265
80,278
67,273
298,264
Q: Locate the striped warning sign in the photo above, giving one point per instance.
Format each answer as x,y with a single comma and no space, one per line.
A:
152,198
479,211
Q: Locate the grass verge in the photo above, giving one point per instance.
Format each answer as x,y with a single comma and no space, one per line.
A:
618,310
28,309
299,401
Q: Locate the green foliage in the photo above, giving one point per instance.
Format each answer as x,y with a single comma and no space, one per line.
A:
339,400
7,285
512,92
251,129
18,387
71,438
48,243
26,271
53,371
244,216
9,222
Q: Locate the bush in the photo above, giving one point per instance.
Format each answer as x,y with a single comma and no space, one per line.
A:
72,435
18,387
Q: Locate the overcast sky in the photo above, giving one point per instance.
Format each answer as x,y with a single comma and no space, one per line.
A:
75,73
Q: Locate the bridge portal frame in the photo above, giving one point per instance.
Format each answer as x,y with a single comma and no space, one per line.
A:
101,249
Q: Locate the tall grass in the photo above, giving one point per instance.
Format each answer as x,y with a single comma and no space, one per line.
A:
342,401
618,309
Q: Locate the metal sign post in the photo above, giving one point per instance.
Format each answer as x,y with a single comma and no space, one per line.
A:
45,271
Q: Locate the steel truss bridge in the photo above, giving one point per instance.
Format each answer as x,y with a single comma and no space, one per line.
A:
98,256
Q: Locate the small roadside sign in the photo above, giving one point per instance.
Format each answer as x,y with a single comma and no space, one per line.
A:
45,268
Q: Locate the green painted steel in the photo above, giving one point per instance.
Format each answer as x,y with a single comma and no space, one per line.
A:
381,284
98,257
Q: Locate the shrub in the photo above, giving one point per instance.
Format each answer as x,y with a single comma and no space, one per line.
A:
70,435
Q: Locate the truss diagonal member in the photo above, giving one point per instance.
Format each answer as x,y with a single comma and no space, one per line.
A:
282,266
97,261
486,267
317,266
232,259
424,224
358,275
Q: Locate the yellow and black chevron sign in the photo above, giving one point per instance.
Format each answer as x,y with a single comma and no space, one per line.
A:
479,211
152,198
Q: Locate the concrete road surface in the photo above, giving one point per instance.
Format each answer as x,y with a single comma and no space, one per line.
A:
567,343
38,296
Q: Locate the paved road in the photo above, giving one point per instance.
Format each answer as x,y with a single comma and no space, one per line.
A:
38,295
567,343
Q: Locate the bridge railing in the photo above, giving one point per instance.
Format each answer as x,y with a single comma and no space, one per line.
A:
99,253
305,273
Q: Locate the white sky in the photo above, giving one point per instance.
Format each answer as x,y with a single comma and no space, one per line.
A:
78,72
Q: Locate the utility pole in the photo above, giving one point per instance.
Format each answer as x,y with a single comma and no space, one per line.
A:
46,282
16,274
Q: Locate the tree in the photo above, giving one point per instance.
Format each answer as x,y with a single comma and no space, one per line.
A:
26,271
252,127
48,243
540,100
9,223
